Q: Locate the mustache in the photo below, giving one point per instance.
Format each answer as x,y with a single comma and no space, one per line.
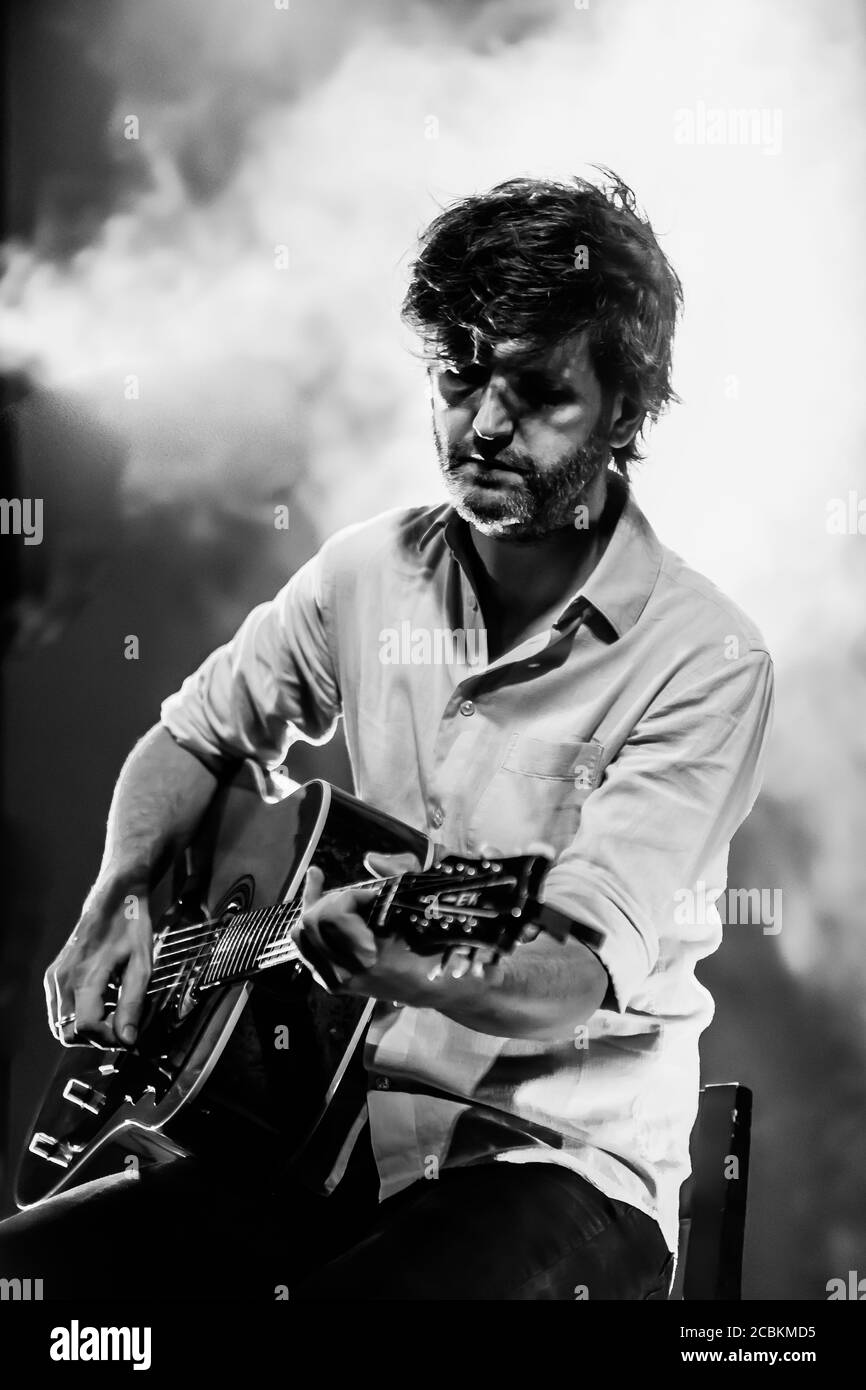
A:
504,459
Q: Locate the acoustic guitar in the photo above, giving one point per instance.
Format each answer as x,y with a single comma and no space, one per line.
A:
241,1057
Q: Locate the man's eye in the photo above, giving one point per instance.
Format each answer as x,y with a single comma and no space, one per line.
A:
467,378
538,393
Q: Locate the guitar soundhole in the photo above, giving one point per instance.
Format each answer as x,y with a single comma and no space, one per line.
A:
239,898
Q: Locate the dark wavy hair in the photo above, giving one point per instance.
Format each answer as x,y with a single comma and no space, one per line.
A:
502,267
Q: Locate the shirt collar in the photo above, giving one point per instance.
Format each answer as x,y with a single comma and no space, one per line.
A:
622,581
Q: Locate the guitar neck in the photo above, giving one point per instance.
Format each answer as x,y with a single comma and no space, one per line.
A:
252,942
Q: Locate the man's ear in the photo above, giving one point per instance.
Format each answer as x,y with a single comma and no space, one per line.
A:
626,419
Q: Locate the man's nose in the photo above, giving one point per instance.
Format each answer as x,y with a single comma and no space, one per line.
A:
493,426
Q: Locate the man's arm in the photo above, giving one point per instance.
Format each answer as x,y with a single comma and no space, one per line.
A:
681,786
159,799
272,683
542,991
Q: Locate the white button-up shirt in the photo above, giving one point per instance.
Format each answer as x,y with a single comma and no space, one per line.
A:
630,737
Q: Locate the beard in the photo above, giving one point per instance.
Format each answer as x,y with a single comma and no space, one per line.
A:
529,503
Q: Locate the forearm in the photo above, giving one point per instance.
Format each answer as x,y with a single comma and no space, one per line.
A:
543,991
160,795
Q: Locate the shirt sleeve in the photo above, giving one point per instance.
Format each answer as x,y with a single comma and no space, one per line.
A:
668,803
273,683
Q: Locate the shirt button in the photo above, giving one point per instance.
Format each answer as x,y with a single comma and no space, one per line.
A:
438,816
467,707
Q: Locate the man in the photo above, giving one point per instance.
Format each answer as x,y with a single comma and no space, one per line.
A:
620,714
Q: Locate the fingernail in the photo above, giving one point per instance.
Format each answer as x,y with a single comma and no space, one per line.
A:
128,1032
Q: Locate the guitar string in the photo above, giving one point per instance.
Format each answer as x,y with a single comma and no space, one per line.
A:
183,942
189,930
286,952
282,915
195,933
276,954
255,951
238,935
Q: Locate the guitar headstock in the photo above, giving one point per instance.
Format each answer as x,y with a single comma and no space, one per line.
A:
462,902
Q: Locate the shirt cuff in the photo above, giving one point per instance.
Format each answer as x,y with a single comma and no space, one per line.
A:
598,923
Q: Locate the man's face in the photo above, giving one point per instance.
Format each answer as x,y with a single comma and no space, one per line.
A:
519,439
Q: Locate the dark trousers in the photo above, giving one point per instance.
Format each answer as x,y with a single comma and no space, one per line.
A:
492,1231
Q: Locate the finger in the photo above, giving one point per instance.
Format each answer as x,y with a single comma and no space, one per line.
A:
481,959
324,971
337,927
133,989
349,942
91,1024
486,851
313,886
340,903
53,1003
542,847
69,1036
440,966
460,963
529,932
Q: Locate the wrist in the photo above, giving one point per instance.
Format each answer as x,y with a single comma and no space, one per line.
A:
117,879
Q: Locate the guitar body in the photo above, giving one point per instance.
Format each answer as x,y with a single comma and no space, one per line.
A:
244,1073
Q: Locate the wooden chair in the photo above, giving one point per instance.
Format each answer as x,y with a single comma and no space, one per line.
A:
713,1198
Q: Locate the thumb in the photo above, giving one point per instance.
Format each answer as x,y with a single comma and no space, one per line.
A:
312,887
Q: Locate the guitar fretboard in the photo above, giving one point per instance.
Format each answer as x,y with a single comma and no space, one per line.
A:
253,941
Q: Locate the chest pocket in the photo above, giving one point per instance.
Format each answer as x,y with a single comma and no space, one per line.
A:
537,792
578,762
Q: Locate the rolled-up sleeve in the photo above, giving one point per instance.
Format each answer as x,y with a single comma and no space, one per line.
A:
667,806
273,683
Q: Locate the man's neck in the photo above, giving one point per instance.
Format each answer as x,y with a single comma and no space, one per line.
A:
521,581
